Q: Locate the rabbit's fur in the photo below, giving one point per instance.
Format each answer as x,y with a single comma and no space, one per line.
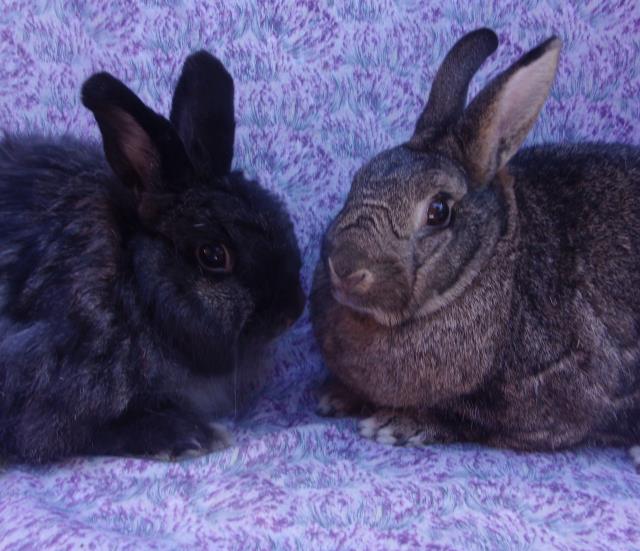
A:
517,321
114,337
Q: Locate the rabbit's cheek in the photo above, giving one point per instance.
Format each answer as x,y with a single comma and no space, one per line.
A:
225,301
429,248
432,262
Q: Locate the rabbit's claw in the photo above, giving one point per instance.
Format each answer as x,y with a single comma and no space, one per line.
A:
397,428
209,439
168,436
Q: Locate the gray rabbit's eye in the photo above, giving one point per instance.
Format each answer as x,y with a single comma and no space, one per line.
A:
439,212
215,257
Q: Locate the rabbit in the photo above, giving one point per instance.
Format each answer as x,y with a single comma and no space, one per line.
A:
136,286
471,292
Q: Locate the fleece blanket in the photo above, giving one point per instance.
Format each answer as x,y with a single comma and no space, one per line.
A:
321,87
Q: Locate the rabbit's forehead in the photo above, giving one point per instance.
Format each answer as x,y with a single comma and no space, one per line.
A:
403,174
235,202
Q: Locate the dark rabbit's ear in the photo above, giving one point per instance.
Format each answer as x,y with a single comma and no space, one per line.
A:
448,95
202,112
141,146
499,118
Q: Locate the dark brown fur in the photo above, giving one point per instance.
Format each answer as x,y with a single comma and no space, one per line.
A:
114,337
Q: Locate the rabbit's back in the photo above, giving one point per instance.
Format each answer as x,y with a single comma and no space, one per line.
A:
60,219
573,343
579,232
36,172
58,270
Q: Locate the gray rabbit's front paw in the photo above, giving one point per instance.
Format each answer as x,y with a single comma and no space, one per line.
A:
397,428
337,400
634,452
333,404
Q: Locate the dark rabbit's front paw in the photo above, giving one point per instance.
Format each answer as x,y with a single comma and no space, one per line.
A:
197,442
166,435
397,428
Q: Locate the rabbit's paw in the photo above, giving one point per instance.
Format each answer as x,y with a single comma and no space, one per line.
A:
167,435
634,452
197,442
338,401
333,404
397,428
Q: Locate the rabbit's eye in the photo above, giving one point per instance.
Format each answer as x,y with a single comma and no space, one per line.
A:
214,258
438,213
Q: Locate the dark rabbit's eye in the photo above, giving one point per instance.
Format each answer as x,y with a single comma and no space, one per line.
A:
439,212
215,257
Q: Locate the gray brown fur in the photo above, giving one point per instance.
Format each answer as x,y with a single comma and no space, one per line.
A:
516,325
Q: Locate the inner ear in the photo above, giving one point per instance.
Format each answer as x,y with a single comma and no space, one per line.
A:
497,121
142,147
129,149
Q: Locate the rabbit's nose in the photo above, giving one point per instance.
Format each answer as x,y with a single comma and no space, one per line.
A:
357,281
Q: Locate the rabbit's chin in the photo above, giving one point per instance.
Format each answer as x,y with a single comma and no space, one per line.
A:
229,393
259,333
387,319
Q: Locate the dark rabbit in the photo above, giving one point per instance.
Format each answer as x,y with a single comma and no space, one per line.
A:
468,291
135,292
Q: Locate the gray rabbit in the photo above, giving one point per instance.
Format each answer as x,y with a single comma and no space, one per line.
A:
469,291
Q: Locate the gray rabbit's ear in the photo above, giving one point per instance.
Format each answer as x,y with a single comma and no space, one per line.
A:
499,118
448,95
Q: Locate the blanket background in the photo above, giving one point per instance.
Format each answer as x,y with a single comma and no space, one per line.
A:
320,87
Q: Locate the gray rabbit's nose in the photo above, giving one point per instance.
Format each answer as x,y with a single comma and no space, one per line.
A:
357,281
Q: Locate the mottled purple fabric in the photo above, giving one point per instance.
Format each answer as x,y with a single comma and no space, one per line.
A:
321,86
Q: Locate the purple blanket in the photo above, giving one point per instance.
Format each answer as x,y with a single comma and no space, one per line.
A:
321,86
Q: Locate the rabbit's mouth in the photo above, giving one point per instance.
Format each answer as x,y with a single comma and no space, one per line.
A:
276,313
388,318
266,329
380,297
